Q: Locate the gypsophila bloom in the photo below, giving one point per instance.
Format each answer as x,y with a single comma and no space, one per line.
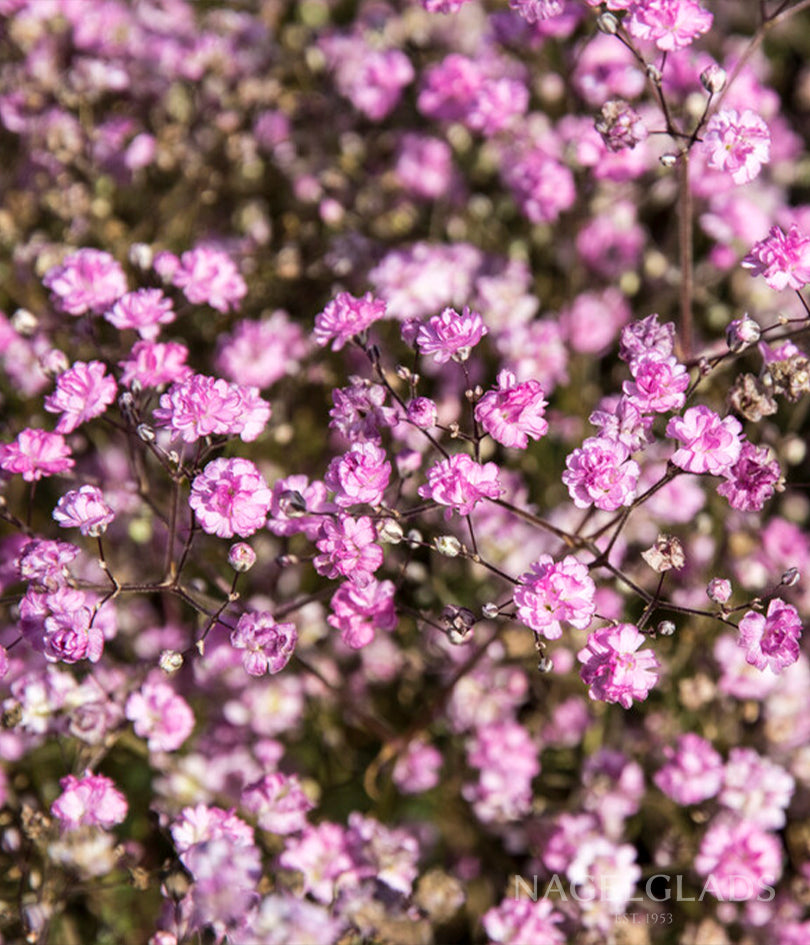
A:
508,761
519,921
621,420
358,612
739,858
44,563
451,335
360,475
203,406
422,412
64,625
461,483
348,549
741,333
208,276
647,338
268,645
601,474
756,788
154,364
92,800
513,412
279,803
693,771
88,280
659,384
241,557
752,480
35,454
620,125
259,353
535,10
84,508
613,669
670,24
708,444
346,316
160,715
772,639
145,310
84,391
719,590
738,144
320,854
417,769
230,497
552,592
783,259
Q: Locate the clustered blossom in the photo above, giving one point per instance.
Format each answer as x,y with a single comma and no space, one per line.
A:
752,480
279,803
160,715
230,497
44,563
346,316
35,454
513,412
201,406
86,509
670,24
451,335
88,280
144,310
206,276
601,473
268,645
693,771
620,125
553,592
82,392
659,384
782,258
90,801
64,624
739,858
613,669
737,143
155,364
756,788
517,920
358,612
771,639
508,761
709,444
348,549
461,483
360,475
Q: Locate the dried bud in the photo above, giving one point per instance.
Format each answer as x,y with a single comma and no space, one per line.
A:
607,23
713,79
292,503
751,399
791,376
741,333
620,125
170,661
145,432
241,557
544,664
719,590
390,531
447,545
791,577
665,554
665,628
458,622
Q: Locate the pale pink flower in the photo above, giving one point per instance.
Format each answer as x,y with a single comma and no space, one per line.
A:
646,338
516,921
451,335
84,391
659,384
535,10
84,508
739,859
752,480
738,144
613,669
346,316
44,563
154,364
209,276
64,625
160,715
203,406
230,497
418,768
756,788
321,855
552,592
90,801
259,353
772,639
348,549
513,412
358,612
88,280
782,258
268,645
279,803
461,483
693,771
35,454
601,474
145,310
360,475
670,24
708,444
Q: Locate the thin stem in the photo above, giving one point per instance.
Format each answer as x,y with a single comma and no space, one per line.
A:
686,249
571,541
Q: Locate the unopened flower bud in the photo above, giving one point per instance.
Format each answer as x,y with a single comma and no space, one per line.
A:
414,538
54,362
170,661
719,590
390,531
25,323
544,665
607,23
713,79
665,628
447,545
669,159
141,255
791,577
654,74
292,503
741,333
490,611
145,432
241,557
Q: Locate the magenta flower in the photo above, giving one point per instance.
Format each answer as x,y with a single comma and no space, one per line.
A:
646,337
422,412
461,483
552,592
145,310
84,391
358,612
752,480
360,475
517,921
268,645
693,771
756,789
279,803
44,563
160,716
85,509
201,406
513,412
35,454
71,630
738,144
659,384
88,280
708,444
153,364
208,276
451,335
346,316
782,258
533,11
90,801
600,474
258,353
348,549
670,24
613,669
230,497
771,639
739,858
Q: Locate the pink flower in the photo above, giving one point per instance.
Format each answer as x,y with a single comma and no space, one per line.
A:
418,768
621,420
360,475
535,10
65,625
348,549
739,858
208,276
783,259
298,506
600,474
160,715
259,353
84,391
751,481
613,669
152,364
346,316
451,335
422,412
201,406
693,771
461,483
268,645
321,855
357,612
279,803
425,165
513,412
230,497
90,801
737,143
145,310
85,509
541,186
646,337
670,24
517,921
35,454
756,788
709,444
88,280
44,563
552,592
771,640
659,384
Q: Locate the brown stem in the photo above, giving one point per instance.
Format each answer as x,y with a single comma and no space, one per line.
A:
685,247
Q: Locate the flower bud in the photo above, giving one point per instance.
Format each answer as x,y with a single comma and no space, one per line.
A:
713,79
791,577
719,590
145,432
241,557
54,362
170,661
414,538
292,503
669,159
607,23
665,628
391,532
141,255
447,545
490,611
25,323
741,333
544,665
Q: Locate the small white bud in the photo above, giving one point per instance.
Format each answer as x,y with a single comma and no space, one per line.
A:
607,23
391,532
170,661
25,323
447,545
